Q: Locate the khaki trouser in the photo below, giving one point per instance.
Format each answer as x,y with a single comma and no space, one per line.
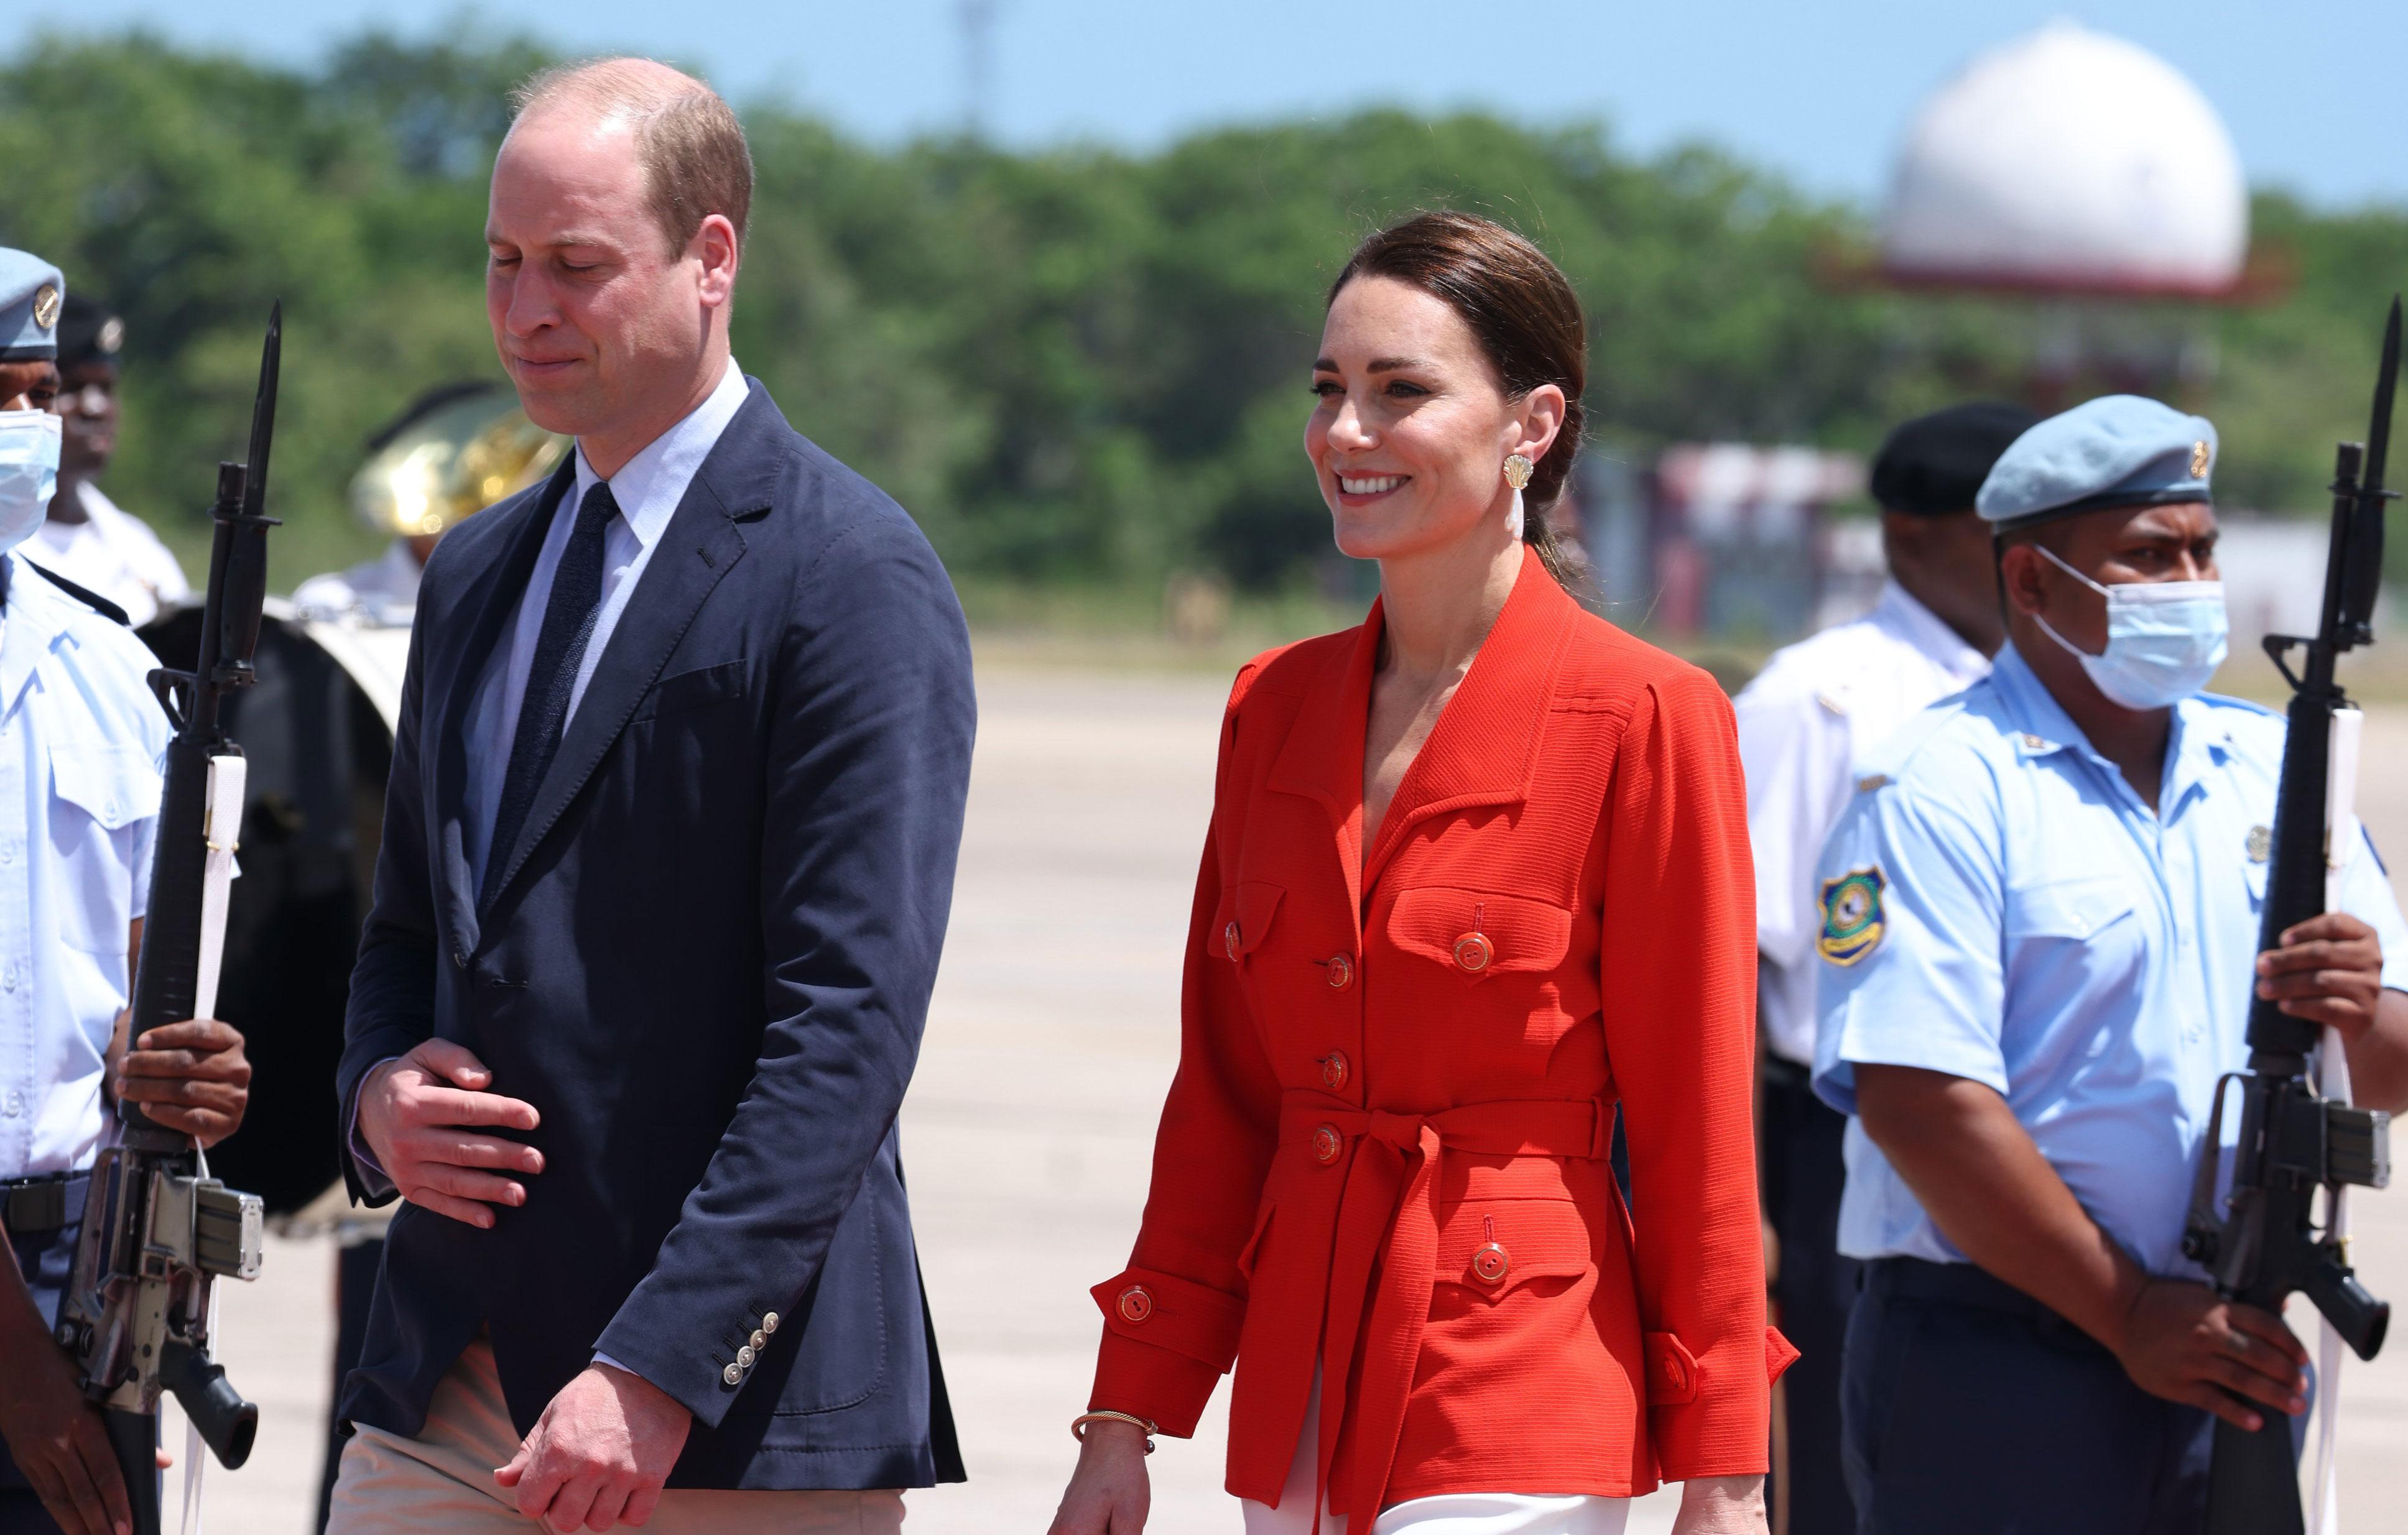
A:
444,1479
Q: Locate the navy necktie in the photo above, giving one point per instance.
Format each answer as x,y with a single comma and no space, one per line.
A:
559,650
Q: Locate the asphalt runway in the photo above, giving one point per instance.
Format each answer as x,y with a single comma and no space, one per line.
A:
1028,1128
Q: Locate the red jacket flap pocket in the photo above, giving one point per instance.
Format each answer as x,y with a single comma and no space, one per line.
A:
1243,920
1493,1247
1476,933
1672,1372
1779,1353
1173,1313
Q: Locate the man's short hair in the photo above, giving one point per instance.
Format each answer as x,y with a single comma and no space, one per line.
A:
687,140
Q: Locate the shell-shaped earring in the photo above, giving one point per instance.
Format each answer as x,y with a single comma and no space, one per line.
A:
1517,474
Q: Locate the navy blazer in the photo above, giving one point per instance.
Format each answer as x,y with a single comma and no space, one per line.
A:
707,964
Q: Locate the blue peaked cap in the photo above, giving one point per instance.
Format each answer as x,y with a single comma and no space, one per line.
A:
31,294
2117,450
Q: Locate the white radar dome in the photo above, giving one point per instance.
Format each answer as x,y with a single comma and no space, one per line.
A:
2069,159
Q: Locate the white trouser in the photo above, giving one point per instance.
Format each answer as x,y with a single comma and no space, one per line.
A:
1455,1513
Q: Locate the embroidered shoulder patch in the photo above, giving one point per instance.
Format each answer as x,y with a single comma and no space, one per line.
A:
1852,916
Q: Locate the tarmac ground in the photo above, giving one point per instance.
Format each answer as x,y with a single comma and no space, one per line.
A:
1029,1127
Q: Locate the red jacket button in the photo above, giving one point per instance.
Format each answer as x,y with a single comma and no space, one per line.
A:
1326,1144
1229,938
1333,1070
1472,951
1341,973
1136,1303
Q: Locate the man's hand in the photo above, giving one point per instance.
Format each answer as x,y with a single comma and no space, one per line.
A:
600,1454
189,1076
54,1433
2186,1343
2330,970
416,1112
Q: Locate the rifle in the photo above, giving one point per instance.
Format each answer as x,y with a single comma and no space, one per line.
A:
158,1230
2293,1140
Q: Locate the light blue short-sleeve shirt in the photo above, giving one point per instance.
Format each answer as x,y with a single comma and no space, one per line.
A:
1997,903
81,740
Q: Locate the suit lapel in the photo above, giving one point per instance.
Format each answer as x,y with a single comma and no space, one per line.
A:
700,546
1486,745
1322,757
455,671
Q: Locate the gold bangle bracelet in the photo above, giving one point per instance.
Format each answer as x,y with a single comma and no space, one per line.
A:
1079,1426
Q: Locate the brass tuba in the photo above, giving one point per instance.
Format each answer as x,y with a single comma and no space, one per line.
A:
454,452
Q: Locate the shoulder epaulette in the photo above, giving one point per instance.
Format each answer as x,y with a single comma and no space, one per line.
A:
85,595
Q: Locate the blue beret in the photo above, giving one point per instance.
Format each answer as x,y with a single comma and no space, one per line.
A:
2118,451
31,292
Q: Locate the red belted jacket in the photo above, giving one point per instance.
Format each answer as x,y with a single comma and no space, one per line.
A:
1385,1148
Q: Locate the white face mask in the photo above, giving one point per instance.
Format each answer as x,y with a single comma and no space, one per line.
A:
29,472
2164,638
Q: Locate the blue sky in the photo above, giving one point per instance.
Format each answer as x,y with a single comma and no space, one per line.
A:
1819,90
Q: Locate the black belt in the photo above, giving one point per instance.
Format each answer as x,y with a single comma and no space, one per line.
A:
1967,1285
30,1206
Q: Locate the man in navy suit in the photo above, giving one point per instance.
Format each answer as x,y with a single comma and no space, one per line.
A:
676,795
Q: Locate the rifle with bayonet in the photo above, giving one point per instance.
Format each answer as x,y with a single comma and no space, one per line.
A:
158,1232
2266,1243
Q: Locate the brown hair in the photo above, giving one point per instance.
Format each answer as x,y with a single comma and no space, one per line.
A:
692,150
1525,316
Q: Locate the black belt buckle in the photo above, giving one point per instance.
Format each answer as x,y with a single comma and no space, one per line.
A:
31,1207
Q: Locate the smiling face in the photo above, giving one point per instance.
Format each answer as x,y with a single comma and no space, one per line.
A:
1412,425
602,325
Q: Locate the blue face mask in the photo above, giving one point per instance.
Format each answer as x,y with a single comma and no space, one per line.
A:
2164,639
29,472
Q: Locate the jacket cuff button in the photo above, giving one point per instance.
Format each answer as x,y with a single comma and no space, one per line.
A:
732,1376
759,1339
1136,1303
769,1322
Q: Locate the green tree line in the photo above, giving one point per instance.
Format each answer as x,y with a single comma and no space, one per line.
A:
1072,365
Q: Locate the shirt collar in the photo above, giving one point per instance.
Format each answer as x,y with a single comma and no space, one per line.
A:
1902,614
649,486
2195,739
32,627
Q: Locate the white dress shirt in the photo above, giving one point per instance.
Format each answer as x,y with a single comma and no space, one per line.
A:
111,552
1814,707
81,739
648,488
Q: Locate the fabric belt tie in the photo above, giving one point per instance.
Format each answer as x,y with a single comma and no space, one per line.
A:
31,1207
1388,1224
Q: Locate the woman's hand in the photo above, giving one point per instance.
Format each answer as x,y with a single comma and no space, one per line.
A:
1721,1505
1109,1492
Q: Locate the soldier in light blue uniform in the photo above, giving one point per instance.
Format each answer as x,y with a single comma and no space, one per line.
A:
80,742
2038,948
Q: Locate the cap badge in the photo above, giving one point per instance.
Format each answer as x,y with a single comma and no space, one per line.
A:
1852,916
112,335
2199,459
46,304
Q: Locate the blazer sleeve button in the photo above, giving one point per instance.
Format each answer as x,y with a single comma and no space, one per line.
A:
1136,1303
760,1340
1230,939
732,1376
769,1322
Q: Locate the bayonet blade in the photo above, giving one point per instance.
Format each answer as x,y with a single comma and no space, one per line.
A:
262,415
2378,434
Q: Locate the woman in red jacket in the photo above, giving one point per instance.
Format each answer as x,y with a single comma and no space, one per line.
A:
1477,880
